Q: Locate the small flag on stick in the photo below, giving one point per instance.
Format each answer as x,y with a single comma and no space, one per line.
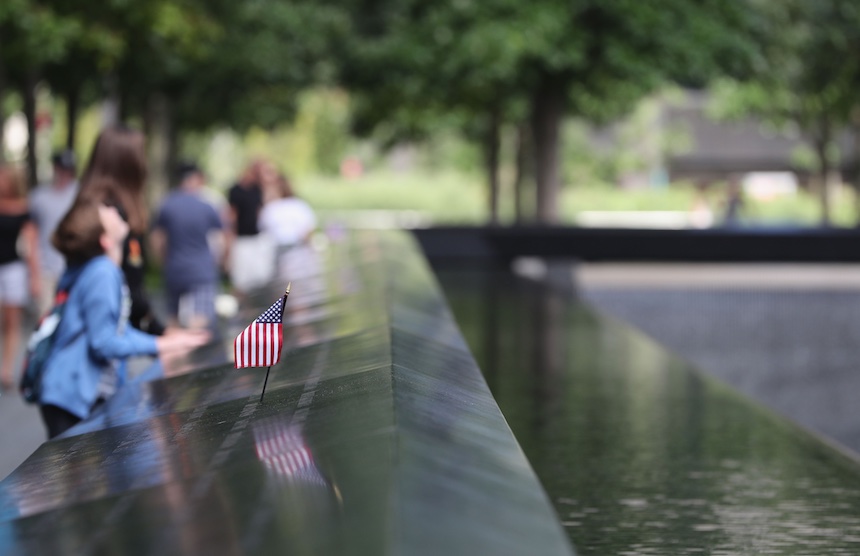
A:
260,344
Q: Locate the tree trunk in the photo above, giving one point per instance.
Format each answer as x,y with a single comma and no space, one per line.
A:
172,150
523,173
855,164
822,142
72,106
124,112
162,146
548,104
29,95
491,159
111,102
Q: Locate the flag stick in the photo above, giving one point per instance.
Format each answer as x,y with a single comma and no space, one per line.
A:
264,384
283,304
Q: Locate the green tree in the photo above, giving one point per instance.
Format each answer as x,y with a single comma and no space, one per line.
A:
32,34
263,54
417,69
807,78
500,60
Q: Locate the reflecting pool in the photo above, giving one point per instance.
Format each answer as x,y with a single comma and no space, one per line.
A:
640,453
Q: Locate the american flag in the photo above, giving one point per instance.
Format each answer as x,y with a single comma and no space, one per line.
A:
260,344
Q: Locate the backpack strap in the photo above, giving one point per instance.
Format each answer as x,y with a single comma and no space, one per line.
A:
41,342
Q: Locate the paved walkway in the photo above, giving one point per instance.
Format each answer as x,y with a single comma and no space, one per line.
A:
21,431
806,277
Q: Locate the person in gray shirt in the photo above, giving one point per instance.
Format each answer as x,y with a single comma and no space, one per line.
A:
181,237
48,204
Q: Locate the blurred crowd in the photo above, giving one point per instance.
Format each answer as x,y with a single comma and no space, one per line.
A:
78,250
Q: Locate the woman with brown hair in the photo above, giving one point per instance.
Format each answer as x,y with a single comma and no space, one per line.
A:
116,173
86,365
15,224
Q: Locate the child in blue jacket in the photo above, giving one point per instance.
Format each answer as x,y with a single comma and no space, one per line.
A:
93,339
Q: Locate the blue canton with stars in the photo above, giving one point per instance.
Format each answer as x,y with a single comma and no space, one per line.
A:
272,314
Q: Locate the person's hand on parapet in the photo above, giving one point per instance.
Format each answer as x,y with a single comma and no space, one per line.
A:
177,342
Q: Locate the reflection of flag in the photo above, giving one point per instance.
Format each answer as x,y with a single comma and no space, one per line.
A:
282,449
260,344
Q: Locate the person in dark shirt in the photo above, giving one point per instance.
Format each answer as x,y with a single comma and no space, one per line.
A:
116,174
251,255
15,275
246,200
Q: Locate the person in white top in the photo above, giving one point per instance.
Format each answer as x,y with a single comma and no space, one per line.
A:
288,220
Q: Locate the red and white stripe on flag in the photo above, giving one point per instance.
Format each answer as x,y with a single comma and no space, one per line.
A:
259,345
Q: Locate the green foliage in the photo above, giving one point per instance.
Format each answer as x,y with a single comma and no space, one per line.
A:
807,79
442,73
330,128
267,52
413,66
582,162
457,198
470,66
449,151
34,33
444,197
809,72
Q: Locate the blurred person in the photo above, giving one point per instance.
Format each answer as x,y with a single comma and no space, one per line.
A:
116,172
351,168
287,219
250,254
733,206
48,204
181,238
268,177
19,279
215,198
93,339
701,215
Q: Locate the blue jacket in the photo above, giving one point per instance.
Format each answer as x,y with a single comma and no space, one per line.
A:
93,337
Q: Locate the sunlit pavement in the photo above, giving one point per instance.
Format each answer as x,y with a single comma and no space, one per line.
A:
21,431
21,428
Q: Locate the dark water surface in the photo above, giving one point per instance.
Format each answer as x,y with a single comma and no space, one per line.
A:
640,453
